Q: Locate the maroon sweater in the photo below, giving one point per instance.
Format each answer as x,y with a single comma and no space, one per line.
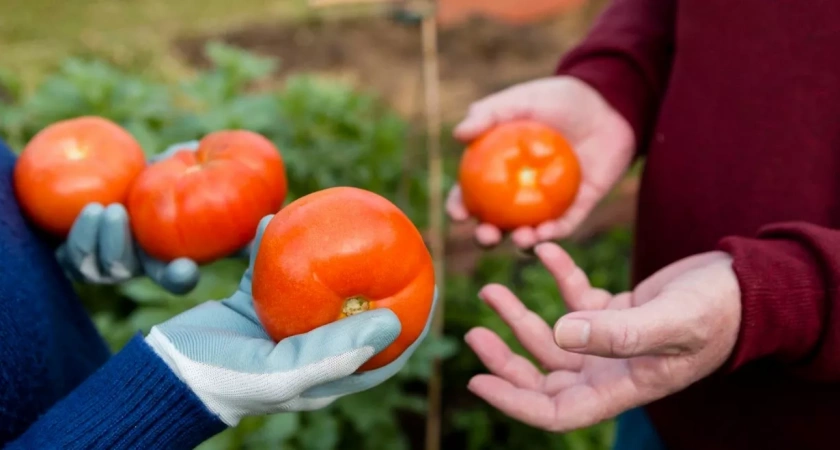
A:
736,105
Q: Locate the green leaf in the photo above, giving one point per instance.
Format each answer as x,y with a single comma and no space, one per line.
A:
275,430
321,431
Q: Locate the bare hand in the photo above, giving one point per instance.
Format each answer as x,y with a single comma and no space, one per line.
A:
602,139
611,353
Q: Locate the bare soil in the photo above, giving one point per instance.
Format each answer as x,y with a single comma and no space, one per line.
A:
477,55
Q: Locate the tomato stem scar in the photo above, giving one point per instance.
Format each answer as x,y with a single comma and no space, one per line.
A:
355,305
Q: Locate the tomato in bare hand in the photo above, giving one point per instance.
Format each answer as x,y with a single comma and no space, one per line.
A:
338,252
206,204
72,163
519,173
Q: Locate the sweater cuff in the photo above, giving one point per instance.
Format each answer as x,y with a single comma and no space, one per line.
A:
623,87
783,300
133,401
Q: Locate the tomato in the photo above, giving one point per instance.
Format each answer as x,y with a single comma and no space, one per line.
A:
338,252
206,204
72,163
520,173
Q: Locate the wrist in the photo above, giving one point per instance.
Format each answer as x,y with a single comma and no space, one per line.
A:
134,400
783,306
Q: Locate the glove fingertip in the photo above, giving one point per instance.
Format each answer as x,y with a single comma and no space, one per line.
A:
180,276
380,328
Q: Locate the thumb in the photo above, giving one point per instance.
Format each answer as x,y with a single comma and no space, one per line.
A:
476,122
655,328
179,276
342,346
255,243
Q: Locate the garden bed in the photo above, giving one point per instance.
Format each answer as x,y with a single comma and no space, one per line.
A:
381,55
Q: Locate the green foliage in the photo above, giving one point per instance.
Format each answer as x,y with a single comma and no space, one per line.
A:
329,135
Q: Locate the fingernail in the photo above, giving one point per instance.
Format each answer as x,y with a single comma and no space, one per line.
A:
572,333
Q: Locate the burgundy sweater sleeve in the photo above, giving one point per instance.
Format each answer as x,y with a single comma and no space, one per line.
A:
627,58
789,276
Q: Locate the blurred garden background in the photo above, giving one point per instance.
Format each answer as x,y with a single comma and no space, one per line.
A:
340,91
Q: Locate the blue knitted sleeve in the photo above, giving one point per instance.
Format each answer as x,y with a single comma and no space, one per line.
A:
134,401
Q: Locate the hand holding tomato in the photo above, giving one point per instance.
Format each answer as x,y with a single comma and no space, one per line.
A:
101,248
339,252
224,355
70,181
602,140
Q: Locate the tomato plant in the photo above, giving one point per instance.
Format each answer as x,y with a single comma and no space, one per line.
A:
206,204
519,173
339,252
72,163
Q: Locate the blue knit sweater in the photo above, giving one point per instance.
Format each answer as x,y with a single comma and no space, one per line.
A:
59,386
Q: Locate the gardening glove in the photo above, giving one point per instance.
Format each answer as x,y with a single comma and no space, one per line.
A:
221,351
100,249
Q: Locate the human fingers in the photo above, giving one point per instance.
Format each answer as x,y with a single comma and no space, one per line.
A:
531,407
495,354
529,328
524,237
483,114
501,361
487,235
455,205
572,281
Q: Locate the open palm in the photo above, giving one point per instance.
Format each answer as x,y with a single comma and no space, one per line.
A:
602,139
636,347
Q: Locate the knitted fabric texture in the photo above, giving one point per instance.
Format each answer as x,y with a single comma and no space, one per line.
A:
60,386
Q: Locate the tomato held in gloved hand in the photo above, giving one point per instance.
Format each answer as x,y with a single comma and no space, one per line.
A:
520,173
71,164
339,252
205,204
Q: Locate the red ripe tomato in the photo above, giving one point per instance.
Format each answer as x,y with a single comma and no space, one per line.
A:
520,173
206,204
338,252
72,163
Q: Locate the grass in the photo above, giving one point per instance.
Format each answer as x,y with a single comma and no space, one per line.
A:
37,34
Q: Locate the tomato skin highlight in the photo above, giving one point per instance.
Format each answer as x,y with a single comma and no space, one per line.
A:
72,163
206,204
519,173
336,250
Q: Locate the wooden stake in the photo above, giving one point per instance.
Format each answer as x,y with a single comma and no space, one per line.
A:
431,83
